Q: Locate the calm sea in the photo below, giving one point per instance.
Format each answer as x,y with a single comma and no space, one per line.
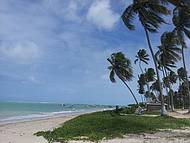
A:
14,111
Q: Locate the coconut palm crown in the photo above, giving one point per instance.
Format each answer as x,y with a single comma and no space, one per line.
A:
142,56
122,68
149,12
169,52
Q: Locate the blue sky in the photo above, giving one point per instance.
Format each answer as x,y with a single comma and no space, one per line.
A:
56,50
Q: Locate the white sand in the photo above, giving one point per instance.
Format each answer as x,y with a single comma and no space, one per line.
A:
23,132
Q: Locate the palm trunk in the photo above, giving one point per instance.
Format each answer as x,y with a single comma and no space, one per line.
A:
130,91
141,67
163,109
187,81
172,100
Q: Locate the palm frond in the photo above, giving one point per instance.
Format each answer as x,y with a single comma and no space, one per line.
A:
128,17
112,76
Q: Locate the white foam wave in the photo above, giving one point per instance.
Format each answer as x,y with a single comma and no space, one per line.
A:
37,116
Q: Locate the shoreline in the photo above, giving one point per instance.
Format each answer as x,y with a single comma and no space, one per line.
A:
4,123
43,117
61,115
22,132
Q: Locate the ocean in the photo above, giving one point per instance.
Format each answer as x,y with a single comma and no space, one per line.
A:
20,111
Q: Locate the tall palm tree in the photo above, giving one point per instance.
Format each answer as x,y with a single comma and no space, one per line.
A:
150,15
181,72
145,79
150,77
167,56
168,81
181,21
141,83
122,68
142,56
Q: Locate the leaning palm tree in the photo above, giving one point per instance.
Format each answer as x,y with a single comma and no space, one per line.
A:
167,56
142,56
168,53
150,15
181,21
121,67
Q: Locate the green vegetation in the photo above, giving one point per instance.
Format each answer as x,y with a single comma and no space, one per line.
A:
108,125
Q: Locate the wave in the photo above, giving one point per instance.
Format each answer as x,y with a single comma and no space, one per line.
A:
38,116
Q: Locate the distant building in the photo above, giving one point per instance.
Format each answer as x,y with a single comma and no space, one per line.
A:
154,107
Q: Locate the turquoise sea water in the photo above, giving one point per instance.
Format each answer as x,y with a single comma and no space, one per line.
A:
14,111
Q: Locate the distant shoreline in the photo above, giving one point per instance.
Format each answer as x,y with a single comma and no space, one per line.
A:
11,112
61,115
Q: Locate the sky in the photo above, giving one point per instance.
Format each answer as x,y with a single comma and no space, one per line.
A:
56,51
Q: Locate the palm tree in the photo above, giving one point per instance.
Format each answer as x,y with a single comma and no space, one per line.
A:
181,21
145,79
121,67
150,77
155,87
149,13
141,83
169,80
181,72
142,56
183,92
168,54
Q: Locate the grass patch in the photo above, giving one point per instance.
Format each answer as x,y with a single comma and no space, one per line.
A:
107,125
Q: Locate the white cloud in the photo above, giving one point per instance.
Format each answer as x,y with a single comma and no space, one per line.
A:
22,52
100,14
68,10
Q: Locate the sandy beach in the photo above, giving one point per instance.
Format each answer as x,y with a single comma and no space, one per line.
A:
22,132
